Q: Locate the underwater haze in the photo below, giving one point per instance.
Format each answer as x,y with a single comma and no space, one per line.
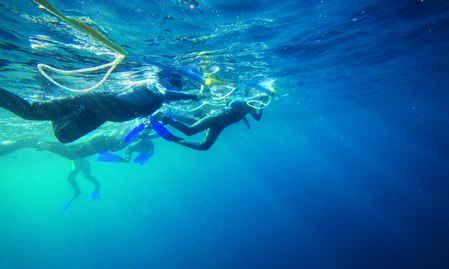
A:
348,167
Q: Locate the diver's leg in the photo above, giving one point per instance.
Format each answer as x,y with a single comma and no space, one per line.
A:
15,104
209,139
57,109
69,151
85,168
197,127
73,116
6,147
187,120
72,178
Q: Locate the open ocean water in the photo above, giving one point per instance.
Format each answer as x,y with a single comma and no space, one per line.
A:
348,168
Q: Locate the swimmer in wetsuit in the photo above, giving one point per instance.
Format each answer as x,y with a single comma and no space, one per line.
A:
74,117
82,165
215,122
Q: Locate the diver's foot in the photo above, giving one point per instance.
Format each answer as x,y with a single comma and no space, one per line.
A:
159,116
179,141
96,192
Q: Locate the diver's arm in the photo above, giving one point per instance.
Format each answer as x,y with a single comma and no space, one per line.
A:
246,122
257,115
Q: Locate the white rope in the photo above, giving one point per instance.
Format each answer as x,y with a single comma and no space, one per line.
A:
112,66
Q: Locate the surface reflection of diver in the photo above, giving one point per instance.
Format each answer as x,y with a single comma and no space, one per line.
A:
191,3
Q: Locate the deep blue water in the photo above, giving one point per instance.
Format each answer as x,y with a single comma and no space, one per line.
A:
349,167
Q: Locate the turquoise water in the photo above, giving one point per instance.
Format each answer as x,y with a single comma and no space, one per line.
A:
348,167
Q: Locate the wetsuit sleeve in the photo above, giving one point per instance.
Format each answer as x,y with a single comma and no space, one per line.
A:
245,120
256,115
209,139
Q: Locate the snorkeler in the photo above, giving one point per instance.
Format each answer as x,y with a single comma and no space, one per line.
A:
82,165
74,117
214,123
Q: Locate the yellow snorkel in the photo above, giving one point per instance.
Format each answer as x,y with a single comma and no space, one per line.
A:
213,81
209,79
95,34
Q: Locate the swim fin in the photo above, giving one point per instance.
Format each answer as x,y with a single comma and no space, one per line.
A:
163,132
143,157
110,157
71,200
134,132
96,194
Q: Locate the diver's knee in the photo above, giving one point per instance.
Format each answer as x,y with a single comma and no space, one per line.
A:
205,146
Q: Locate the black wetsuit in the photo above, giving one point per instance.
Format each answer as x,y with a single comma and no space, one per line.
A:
215,123
74,117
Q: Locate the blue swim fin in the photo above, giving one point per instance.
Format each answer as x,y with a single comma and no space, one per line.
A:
110,157
143,157
68,204
134,132
163,132
96,194
71,200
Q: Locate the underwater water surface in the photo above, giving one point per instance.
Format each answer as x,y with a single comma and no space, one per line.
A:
348,168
